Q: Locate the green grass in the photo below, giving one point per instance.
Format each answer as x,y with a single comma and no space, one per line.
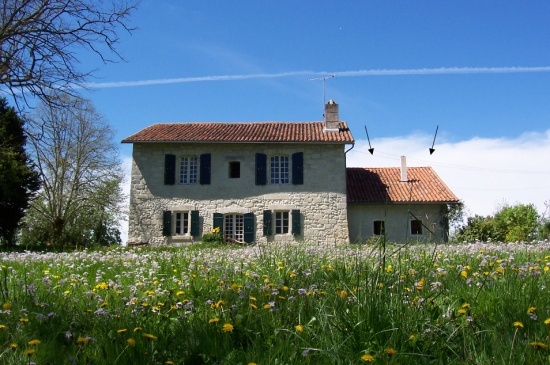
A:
278,304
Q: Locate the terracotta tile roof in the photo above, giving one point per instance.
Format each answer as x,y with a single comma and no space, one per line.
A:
308,132
368,185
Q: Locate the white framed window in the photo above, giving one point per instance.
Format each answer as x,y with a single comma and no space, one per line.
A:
279,168
189,169
234,227
281,222
182,223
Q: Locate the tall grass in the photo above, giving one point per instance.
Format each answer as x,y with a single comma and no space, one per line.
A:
278,304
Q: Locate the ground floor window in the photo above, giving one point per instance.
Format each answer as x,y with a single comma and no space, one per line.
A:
416,226
182,223
379,228
281,222
234,227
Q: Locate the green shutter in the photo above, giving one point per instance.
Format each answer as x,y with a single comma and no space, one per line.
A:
249,227
167,223
204,178
268,224
298,168
261,169
296,222
169,169
218,222
195,227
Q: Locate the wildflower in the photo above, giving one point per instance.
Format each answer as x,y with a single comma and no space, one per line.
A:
343,294
547,321
267,306
251,363
6,306
367,358
13,346
29,352
23,320
138,329
228,327
464,273
81,341
34,342
121,331
131,342
2,327
390,352
299,328
169,362
214,320
462,311
179,293
539,345
149,336
389,268
518,324
531,310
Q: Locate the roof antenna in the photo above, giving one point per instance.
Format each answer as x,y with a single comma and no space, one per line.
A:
324,78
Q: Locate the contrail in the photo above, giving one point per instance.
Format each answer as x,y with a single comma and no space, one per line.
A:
376,72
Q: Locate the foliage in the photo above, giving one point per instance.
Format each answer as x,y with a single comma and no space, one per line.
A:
278,304
214,236
515,223
81,173
40,41
18,179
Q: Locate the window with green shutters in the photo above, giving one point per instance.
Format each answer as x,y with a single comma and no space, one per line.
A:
280,222
180,223
296,222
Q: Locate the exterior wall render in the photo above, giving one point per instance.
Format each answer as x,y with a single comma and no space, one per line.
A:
321,199
397,219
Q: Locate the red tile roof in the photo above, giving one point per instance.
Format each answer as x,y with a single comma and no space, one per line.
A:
304,132
369,185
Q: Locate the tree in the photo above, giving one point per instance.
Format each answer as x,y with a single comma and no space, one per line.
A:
18,179
39,41
81,176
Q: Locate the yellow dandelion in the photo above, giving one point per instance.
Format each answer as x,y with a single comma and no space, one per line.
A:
234,287
462,311
149,336
466,305
299,328
131,342
214,320
29,352
252,298
169,362
343,294
367,358
180,293
251,363
539,345
390,351
389,268
34,342
138,329
518,324
547,321
104,304
2,327
252,305
531,310
6,306
13,346
122,331
267,306
228,327
464,273
23,320
81,341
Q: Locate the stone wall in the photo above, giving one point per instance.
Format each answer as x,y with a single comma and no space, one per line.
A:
321,199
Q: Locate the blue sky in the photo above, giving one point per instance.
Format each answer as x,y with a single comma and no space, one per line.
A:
480,70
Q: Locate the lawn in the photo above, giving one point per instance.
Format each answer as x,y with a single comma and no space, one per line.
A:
278,304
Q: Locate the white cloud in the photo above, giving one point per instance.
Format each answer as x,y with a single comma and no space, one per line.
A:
483,172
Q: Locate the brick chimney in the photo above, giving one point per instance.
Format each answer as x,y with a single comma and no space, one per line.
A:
332,120
404,177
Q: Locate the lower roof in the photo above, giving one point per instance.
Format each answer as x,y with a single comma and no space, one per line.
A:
383,184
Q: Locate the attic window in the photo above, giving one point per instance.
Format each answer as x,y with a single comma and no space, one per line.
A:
234,169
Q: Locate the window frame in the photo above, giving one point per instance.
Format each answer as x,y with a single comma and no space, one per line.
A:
186,228
279,170
189,174
281,222
233,227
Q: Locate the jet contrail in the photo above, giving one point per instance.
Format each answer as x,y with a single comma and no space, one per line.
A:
379,72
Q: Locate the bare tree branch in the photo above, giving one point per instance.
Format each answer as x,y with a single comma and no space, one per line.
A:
39,41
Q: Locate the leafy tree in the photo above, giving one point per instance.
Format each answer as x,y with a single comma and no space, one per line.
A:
40,40
18,179
81,174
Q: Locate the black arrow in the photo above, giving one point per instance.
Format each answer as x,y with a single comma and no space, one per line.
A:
433,143
371,150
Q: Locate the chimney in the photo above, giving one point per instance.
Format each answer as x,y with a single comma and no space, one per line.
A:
404,169
332,120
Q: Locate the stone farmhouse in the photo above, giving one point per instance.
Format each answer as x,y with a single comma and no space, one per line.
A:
273,182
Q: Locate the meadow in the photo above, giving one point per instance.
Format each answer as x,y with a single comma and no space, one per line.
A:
479,303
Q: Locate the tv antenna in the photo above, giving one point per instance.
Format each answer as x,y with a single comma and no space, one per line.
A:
324,78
